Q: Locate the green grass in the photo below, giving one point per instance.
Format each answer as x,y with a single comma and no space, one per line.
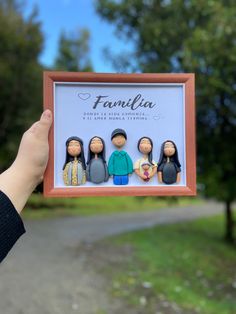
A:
40,207
186,266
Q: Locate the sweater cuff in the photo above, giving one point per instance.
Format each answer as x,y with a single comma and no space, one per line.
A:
11,225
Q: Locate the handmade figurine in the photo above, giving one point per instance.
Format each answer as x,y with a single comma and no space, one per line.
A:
145,167
96,170
169,166
74,167
120,164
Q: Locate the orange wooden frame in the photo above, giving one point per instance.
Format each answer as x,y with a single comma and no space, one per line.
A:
188,79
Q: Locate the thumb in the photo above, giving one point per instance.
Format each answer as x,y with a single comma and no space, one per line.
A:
46,117
44,124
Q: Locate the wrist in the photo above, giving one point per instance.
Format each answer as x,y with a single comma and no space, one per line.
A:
17,185
24,177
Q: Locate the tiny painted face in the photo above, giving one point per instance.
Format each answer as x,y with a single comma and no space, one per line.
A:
96,145
169,149
74,148
145,166
145,146
119,140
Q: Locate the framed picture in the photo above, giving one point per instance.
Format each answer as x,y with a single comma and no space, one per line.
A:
120,134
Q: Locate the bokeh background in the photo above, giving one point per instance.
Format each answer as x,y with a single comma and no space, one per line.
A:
136,254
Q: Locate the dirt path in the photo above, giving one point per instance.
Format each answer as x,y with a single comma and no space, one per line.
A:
47,271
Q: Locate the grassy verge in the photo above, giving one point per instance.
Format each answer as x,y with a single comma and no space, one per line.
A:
40,207
180,268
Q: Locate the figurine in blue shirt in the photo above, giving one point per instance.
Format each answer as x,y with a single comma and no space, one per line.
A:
120,164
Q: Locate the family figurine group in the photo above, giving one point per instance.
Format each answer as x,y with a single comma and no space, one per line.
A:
120,166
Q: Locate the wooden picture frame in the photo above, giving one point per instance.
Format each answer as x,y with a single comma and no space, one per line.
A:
57,85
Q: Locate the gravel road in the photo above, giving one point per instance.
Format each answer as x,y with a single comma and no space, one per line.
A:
46,274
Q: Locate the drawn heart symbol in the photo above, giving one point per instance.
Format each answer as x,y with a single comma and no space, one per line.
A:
84,96
158,117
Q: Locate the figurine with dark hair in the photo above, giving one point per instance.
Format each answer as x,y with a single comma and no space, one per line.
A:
120,164
74,167
141,168
96,170
169,166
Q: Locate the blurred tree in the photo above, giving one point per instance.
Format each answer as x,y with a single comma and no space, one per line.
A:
191,36
20,76
73,54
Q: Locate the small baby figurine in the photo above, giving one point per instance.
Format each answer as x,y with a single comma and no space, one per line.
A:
74,167
97,171
147,170
169,166
145,163
120,164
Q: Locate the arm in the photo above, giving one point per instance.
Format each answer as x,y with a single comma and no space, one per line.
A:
111,165
65,175
129,163
26,172
159,175
106,173
137,171
154,171
11,225
139,174
19,181
178,170
178,178
84,177
88,172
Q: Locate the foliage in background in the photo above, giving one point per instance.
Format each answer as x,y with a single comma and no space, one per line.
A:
73,52
40,207
191,36
21,42
21,90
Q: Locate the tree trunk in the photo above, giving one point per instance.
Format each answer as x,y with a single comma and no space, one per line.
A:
229,232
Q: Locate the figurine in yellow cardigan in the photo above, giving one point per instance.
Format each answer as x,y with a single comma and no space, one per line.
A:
74,167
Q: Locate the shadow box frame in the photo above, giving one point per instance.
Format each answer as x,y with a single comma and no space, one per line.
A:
187,80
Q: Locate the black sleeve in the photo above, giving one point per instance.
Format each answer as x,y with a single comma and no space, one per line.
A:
11,225
87,171
178,169
160,168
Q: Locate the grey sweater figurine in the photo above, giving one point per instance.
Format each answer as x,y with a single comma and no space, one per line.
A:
96,170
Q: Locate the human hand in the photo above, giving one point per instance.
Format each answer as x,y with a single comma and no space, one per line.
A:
26,172
33,152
